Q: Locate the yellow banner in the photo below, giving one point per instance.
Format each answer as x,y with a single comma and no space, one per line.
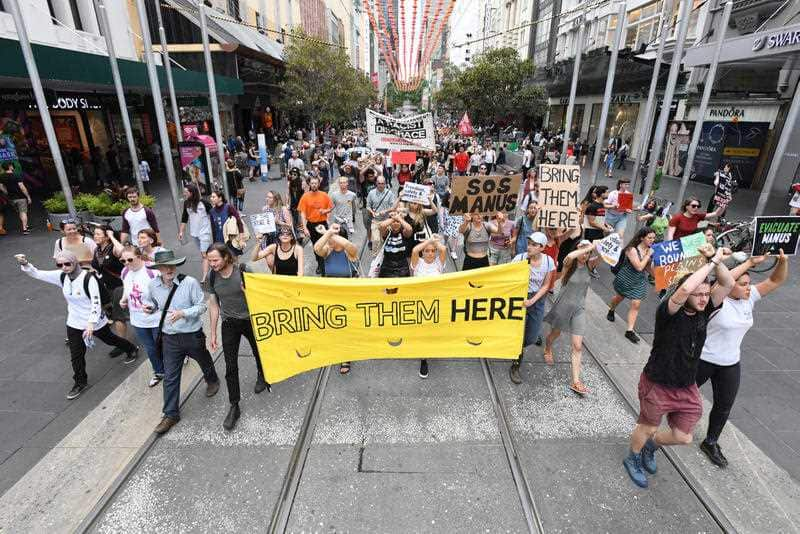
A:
303,323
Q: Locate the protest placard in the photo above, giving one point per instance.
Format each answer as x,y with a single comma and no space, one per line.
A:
484,194
775,233
691,243
666,274
263,223
559,188
610,248
417,193
409,133
404,158
625,201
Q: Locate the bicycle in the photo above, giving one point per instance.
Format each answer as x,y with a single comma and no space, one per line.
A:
738,236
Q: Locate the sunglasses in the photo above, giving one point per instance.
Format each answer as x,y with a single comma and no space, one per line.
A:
694,205
127,260
65,264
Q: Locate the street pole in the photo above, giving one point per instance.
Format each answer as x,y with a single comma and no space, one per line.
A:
573,89
650,107
788,129
701,111
669,91
162,37
100,8
41,102
212,97
158,106
612,70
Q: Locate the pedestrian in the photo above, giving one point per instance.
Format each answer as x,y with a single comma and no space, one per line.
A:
196,214
180,304
540,278
253,163
341,259
137,217
529,190
461,161
568,313
794,201
108,269
136,276
475,161
630,279
476,241
296,190
610,156
395,233
615,216
235,185
280,213
403,175
294,162
427,259
721,355
685,223
221,213
13,188
344,205
148,243
489,157
525,225
593,208
527,160
226,298
113,164
724,188
73,240
667,384
144,174
314,207
85,317
380,202
622,155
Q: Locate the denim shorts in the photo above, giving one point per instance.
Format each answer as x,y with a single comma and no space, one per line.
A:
202,242
617,221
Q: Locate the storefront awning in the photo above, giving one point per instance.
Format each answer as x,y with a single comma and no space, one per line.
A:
85,71
227,31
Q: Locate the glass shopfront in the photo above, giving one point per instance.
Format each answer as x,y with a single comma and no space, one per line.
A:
621,121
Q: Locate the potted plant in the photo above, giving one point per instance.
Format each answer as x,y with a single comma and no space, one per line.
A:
57,210
107,211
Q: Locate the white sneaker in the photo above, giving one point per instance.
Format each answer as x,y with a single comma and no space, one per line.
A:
454,255
154,381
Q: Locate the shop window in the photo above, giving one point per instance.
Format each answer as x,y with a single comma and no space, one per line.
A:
76,14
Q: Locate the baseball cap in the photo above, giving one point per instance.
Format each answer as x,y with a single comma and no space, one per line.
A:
538,238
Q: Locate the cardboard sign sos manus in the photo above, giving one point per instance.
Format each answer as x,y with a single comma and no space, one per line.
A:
484,194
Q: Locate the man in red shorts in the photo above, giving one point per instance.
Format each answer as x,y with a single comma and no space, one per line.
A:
667,384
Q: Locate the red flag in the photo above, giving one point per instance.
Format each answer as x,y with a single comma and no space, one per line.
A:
465,126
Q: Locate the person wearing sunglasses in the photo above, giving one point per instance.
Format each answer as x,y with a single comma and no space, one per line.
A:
74,241
85,317
136,276
685,223
667,384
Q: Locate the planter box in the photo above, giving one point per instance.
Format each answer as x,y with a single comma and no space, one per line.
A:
56,218
114,221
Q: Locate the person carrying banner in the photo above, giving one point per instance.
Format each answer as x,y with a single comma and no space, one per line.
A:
428,259
396,234
540,278
568,313
630,280
226,298
667,384
314,207
500,244
180,302
721,355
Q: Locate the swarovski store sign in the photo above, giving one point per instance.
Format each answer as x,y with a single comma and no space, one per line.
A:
767,43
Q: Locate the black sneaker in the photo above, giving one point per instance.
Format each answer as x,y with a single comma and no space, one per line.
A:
513,373
76,391
116,351
538,341
713,452
631,336
610,316
423,369
131,357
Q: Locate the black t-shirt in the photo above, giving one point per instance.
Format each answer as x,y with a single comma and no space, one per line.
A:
108,265
677,343
396,251
11,182
594,209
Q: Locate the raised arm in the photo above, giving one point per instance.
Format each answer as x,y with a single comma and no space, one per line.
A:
779,275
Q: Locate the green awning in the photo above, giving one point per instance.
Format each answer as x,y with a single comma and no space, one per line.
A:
62,65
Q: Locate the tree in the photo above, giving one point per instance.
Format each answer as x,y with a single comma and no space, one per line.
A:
494,88
395,98
320,85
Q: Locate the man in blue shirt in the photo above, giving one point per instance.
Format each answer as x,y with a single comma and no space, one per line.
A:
181,331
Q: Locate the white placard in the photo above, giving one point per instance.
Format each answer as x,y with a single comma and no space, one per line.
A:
610,248
409,133
263,223
417,193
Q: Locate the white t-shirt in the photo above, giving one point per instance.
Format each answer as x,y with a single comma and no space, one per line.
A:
727,328
144,171
490,156
429,269
134,284
137,221
527,156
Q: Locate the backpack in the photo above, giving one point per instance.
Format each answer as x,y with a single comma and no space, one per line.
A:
105,294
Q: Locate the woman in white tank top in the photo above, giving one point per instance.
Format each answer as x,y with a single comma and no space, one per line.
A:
427,259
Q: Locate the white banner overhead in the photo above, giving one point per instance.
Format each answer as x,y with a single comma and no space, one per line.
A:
409,133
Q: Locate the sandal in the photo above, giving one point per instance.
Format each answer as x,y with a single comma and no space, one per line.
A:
548,357
579,388
344,368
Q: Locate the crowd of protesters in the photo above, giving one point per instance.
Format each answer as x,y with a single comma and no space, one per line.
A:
338,185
